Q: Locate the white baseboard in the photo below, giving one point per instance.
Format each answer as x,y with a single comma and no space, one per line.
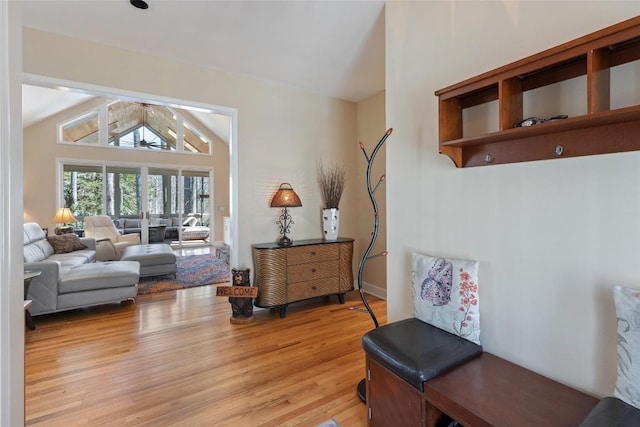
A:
376,291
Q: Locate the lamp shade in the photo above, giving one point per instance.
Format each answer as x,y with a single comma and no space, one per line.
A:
285,197
63,215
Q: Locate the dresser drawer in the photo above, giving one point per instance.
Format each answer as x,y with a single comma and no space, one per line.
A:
312,271
312,253
312,288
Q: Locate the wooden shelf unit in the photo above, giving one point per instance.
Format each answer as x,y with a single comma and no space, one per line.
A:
600,131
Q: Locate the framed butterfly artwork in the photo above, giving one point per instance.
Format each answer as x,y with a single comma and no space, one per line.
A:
445,294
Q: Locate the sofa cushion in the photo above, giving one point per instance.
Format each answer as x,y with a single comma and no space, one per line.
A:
74,258
101,275
36,246
627,303
131,223
445,295
32,233
37,251
65,243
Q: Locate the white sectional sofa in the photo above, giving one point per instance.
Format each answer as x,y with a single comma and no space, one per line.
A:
71,278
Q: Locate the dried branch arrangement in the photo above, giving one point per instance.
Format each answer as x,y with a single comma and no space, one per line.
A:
331,180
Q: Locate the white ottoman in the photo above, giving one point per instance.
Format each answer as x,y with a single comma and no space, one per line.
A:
155,260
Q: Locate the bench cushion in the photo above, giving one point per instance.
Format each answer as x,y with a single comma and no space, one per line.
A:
417,351
612,412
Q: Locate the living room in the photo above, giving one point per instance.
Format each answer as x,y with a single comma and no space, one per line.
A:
82,157
552,236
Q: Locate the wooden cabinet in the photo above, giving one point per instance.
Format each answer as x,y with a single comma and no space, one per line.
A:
306,269
600,130
485,391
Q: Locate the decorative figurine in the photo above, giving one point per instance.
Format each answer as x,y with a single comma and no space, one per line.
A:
241,307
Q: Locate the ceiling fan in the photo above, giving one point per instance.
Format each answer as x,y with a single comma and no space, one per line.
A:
143,142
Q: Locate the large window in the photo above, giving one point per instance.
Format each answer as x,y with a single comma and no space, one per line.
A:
196,196
83,129
82,189
123,192
138,125
163,192
151,194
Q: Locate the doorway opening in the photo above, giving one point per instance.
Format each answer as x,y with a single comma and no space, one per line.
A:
179,186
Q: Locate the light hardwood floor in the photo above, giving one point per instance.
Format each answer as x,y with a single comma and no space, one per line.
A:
174,359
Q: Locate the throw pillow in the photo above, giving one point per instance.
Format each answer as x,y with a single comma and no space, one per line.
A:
66,243
627,302
445,295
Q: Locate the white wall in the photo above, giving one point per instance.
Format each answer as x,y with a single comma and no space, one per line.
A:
282,132
552,236
371,127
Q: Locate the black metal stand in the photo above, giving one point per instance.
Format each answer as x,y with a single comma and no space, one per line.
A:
284,221
362,390
362,385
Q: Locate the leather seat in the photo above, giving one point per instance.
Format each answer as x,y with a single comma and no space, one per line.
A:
110,244
612,412
417,351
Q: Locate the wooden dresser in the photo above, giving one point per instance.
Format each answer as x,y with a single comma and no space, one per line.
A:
306,269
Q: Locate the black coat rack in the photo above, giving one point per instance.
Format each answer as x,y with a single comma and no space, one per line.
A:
362,385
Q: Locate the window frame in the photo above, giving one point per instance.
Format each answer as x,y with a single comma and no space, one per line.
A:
102,112
144,169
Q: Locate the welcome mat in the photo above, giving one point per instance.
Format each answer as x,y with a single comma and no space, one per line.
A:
193,270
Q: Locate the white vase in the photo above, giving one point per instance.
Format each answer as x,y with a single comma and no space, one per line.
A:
330,223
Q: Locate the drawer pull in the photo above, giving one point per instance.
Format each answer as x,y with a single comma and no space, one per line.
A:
313,288
313,252
313,270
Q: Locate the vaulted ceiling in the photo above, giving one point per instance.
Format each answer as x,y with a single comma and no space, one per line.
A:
332,47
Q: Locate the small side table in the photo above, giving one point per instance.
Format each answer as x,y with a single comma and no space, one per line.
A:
157,233
28,276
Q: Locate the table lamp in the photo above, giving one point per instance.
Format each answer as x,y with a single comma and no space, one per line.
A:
64,216
285,198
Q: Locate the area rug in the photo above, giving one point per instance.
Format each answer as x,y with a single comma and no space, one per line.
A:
193,270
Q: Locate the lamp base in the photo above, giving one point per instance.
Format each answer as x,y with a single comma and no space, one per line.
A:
285,241
361,389
64,229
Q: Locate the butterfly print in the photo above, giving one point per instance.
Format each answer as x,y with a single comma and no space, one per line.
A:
436,288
